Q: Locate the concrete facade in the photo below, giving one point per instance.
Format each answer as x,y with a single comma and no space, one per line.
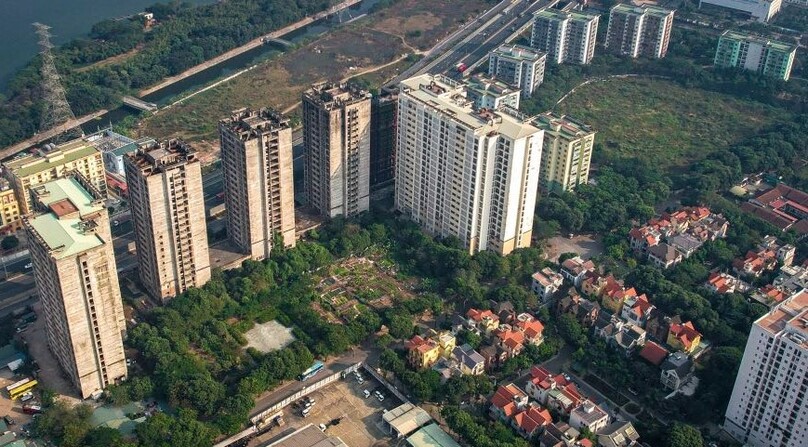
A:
258,180
465,172
567,152
383,141
336,137
565,36
639,30
168,211
488,93
768,406
52,162
75,273
519,66
754,53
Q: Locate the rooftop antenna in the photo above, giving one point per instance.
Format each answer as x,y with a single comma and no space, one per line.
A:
57,110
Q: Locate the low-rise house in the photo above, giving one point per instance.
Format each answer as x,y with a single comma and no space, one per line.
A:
592,284
531,328
589,416
783,252
546,283
424,352
769,295
628,338
658,325
559,434
637,310
608,326
685,244
676,370
720,282
664,256
619,434
585,311
504,310
509,339
574,270
653,353
614,294
469,361
484,320
792,279
683,337
507,402
563,400
494,356
755,263
643,238
532,421
542,382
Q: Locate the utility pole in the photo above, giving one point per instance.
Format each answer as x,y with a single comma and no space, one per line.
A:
57,110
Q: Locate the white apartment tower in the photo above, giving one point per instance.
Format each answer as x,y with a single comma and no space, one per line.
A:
168,210
567,152
336,137
465,172
565,36
639,30
77,280
768,406
258,180
517,65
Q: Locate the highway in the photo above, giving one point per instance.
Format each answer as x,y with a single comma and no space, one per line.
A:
474,41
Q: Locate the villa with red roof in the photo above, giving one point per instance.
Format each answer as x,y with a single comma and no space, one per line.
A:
782,206
532,421
532,328
510,340
542,381
484,320
507,402
683,337
637,310
654,353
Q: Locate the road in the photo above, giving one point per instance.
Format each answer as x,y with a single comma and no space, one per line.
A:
474,41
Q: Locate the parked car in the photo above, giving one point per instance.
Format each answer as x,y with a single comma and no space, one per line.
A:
26,397
9,420
366,393
29,266
31,409
381,397
322,427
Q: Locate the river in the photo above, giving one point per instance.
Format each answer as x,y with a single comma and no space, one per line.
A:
69,19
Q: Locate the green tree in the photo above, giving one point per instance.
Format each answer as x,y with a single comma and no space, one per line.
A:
9,242
683,435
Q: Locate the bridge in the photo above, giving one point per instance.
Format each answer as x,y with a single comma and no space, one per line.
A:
139,104
277,40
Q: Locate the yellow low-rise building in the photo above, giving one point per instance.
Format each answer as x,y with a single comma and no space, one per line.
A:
9,209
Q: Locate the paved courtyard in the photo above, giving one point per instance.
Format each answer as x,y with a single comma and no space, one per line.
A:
585,245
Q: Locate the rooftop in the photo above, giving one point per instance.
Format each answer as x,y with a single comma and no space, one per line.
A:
789,316
653,10
64,228
485,85
154,157
519,52
308,436
49,157
431,436
555,14
406,418
760,40
331,96
449,98
249,123
562,125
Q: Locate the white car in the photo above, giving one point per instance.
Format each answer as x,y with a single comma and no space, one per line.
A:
380,397
366,393
26,397
322,427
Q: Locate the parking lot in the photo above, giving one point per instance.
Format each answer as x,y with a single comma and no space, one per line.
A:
345,411
12,408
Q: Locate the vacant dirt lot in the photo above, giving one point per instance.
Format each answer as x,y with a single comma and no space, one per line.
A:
424,23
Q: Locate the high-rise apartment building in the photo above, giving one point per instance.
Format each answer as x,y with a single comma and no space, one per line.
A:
518,65
750,52
74,269
488,93
168,211
760,10
566,154
465,172
51,162
639,30
383,140
565,36
258,179
336,137
769,403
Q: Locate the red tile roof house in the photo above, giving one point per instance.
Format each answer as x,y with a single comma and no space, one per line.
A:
531,421
507,402
532,328
755,262
509,339
684,335
542,381
483,320
637,310
654,353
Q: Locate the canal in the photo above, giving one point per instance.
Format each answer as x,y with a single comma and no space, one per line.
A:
257,55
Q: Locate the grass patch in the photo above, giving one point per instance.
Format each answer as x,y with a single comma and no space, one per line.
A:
668,125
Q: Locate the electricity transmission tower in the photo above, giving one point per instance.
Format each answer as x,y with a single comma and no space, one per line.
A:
57,110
